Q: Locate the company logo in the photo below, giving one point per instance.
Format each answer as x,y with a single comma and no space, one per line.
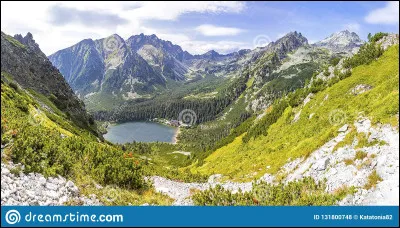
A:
12,217
111,43
337,117
187,117
261,41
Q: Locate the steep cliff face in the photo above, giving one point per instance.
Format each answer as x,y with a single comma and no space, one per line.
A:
165,57
80,65
22,58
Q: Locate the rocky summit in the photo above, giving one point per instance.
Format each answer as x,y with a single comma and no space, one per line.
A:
343,41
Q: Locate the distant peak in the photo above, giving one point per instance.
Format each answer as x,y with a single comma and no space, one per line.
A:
341,41
294,35
147,36
27,38
28,41
211,53
116,36
341,33
142,36
86,41
344,33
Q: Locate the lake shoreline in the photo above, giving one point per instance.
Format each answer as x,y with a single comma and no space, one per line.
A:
141,131
175,138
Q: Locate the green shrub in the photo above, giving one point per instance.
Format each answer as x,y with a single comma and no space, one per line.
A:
334,61
376,37
14,86
326,72
23,107
45,151
373,179
305,192
348,161
367,53
360,155
16,170
317,85
345,74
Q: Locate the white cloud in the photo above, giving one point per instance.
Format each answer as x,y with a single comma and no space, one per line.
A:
222,47
35,17
172,10
386,15
212,30
159,10
352,27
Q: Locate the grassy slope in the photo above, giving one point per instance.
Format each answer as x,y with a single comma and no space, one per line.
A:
21,109
287,140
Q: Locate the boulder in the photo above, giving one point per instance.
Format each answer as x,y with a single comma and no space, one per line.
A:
343,128
321,164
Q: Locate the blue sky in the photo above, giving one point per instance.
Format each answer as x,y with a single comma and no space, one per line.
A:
196,26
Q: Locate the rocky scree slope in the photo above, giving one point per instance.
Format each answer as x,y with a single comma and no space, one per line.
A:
32,189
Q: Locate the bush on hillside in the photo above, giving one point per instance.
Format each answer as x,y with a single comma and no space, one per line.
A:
367,53
376,37
45,151
305,192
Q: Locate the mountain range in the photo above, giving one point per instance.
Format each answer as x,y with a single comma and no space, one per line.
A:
314,119
143,64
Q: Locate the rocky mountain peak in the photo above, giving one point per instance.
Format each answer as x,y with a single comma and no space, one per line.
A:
28,41
113,42
295,37
342,41
287,43
137,41
211,54
343,37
